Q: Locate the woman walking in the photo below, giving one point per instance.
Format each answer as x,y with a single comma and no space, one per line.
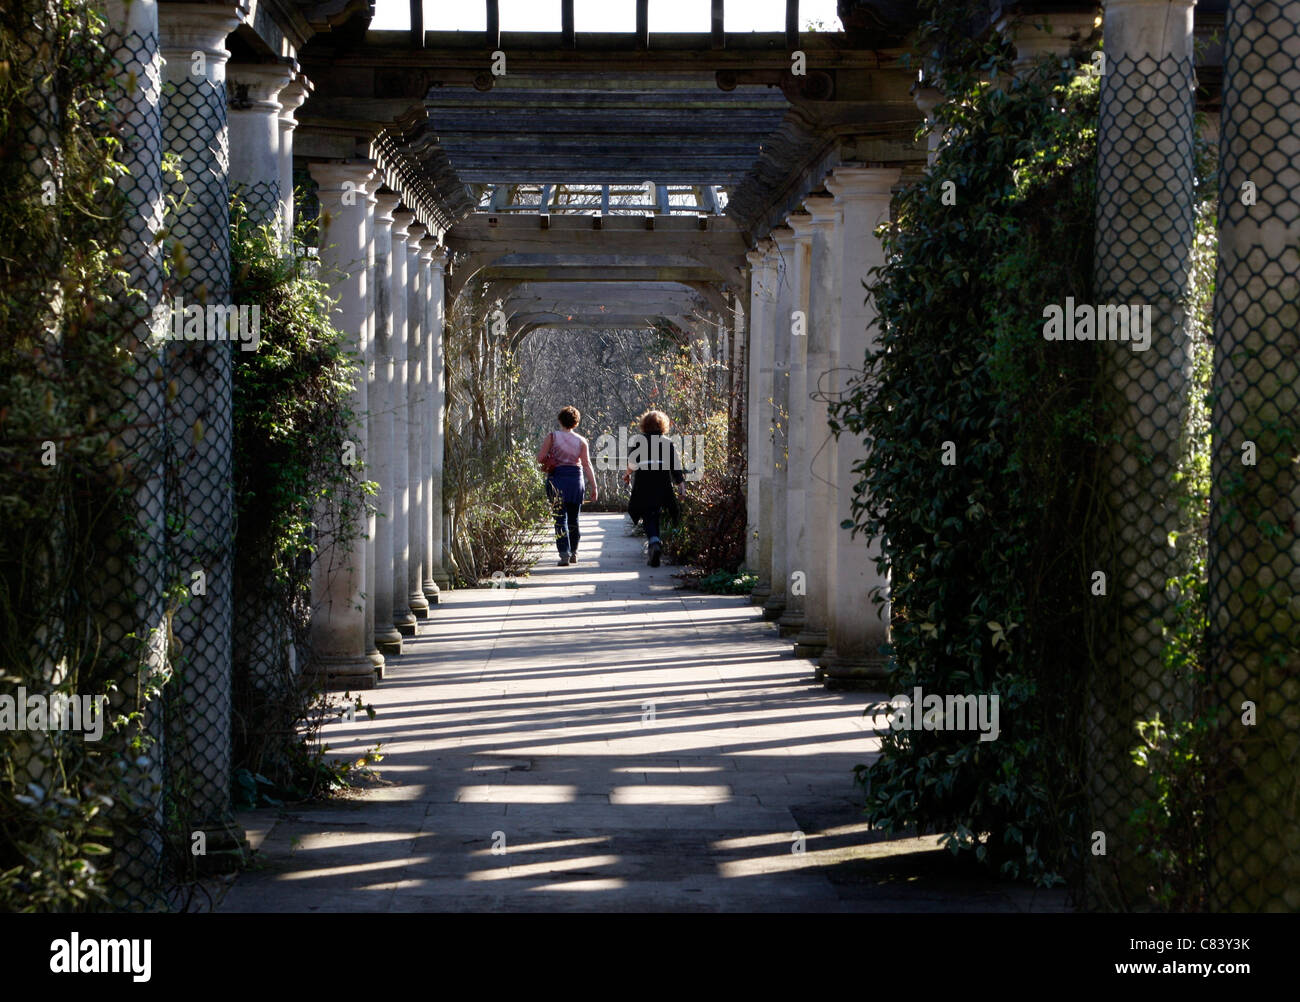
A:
565,457
652,492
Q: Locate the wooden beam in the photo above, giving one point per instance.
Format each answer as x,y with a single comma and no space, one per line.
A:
643,24
792,24
566,24
718,34
493,34
417,24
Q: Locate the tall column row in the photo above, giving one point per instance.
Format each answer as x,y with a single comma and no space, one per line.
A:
809,333
376,578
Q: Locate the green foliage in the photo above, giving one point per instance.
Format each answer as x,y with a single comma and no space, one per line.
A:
68,364
739,582
983,561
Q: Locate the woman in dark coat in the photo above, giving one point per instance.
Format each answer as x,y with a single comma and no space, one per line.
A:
660,469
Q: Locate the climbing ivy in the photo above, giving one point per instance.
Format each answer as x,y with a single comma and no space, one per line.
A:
293,493
982,438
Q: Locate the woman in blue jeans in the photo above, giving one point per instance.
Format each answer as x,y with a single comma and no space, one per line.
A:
566,457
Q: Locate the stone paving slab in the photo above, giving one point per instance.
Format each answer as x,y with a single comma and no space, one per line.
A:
523,770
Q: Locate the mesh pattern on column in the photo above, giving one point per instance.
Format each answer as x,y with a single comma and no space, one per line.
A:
1145,224
139,851
84,616
261,201
1254,566
200,500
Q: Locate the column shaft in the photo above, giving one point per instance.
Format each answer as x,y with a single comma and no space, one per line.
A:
382,406
799,560
195,128
416,392
825,262
1145,218
403,617
1254,555
338,609
783,261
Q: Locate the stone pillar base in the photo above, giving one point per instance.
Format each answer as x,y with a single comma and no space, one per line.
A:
810,643
390,648
441,578
341,672
791,623
761,593
419,606
227,849
774,607
836,671
431,592
406,625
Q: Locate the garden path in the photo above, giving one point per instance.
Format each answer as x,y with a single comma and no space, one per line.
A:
521,717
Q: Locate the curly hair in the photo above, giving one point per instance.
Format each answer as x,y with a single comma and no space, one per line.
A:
654,422
570,416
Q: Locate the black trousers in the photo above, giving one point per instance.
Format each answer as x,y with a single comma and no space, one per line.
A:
651,522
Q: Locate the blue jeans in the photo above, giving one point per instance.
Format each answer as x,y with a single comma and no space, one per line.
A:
564,489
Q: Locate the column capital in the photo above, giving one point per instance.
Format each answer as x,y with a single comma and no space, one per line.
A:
782,236
384,206
428,245
801,223
414,234
185,28
927,99
851,183
1055,34
401,222
755,257
256,86
333,176
440,256
823,211
291,98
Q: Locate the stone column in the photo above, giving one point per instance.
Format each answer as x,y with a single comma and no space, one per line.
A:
437,415
255,137
291,99
783,291
860,607
1144,234
753,417
761,430
927,99
131,588
429,383
403,617
825,262
800,562
194,127
416,394
338,585
372,520
1254,555
1036,35
382,447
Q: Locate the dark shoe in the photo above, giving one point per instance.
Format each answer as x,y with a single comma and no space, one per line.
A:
573,557
655,549
564,560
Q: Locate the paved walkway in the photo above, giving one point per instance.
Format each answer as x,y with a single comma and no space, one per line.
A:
624,746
